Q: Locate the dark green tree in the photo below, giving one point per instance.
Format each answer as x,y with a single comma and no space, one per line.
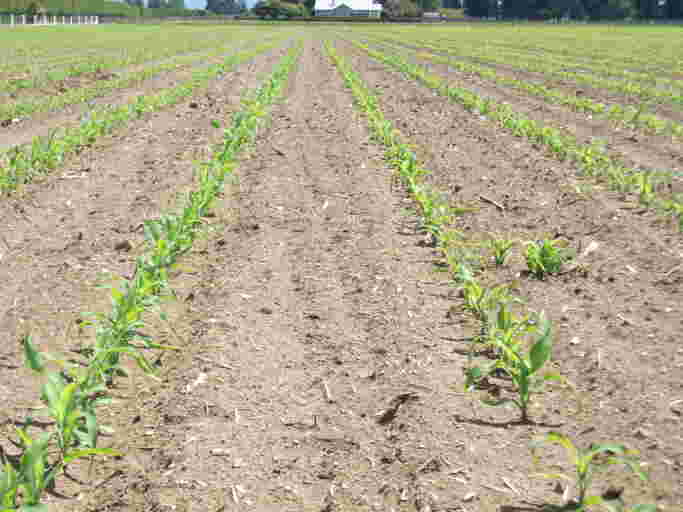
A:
481,8
223,6
674,9
647,9
522,9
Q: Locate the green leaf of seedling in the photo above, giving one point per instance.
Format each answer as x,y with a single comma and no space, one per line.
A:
608,448
540,352
80,454
34,359
39,507
33,463
159,346
9,483
564,441
593,500
215,123
644,508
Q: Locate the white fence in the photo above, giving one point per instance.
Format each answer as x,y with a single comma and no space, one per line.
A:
44,20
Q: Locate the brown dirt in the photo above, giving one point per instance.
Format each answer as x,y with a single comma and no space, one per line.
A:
310,316
60,238
40,124
629,294
323,355
634,149
663,109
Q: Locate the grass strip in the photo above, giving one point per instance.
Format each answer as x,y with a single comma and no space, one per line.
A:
24,163
592,159
73,393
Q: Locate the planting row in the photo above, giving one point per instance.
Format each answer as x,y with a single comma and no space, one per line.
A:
76,389
638,119
644,90
22,164
628,56
55,54
100,63
29,106
511,345
651,186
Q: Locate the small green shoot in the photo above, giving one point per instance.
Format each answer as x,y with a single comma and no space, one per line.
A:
545,257
587,463
520,365
501,249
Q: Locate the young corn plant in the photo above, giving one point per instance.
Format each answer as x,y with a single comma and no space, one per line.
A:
73,393
520,365
587,463
545,257
9,485
594,161
501,249
71,396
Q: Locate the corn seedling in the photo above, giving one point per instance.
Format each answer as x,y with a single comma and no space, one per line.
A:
73,393
520,365
484,302
589,462
501,249
592,158
22,164
545,257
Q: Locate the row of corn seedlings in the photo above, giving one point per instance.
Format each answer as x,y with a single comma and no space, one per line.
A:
637,118
23,163
519,345
74,62
637,63
643,91
57,57
76,389
592,159
74,96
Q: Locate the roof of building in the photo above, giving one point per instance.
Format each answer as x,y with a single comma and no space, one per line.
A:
355,5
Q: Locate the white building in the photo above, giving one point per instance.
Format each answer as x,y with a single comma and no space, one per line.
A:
366,8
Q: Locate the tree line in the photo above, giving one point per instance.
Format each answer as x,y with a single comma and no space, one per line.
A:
574,9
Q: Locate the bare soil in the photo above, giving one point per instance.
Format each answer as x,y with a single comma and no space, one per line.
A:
634,148
323,351
664,109
81,227
24,130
